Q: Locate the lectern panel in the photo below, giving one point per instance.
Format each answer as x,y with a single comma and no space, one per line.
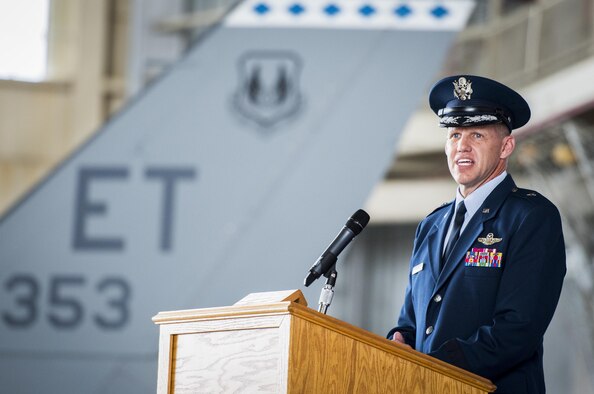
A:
227,362
345,364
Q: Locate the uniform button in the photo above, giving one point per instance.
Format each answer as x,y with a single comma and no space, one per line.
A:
429,330
437,298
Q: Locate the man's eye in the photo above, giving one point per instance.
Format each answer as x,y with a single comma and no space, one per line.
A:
477,135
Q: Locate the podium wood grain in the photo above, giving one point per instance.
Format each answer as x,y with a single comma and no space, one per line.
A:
285,347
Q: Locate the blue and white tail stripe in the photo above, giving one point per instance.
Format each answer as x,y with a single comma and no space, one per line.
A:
352,14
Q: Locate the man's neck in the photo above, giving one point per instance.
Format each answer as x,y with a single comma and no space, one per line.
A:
479,195
474,201
500,169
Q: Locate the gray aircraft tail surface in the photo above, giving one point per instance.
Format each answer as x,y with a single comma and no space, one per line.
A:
227,176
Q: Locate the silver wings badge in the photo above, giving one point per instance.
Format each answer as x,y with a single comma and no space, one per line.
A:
489,240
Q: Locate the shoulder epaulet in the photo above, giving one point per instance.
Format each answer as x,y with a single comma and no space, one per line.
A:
442,206
531,196
525,193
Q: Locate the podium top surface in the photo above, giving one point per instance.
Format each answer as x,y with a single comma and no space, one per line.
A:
273,296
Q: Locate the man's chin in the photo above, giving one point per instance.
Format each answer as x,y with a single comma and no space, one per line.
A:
463,180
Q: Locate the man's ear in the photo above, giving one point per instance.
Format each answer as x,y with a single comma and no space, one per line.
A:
509,144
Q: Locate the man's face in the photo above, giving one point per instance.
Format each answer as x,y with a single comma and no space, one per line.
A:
477,154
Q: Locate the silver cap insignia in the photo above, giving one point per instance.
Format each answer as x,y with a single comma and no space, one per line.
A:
463,88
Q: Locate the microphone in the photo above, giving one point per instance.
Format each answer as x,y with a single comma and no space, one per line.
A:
352,228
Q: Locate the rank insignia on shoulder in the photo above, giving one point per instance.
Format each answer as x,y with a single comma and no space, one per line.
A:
489,240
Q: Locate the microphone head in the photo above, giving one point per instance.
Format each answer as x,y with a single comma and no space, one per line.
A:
358,221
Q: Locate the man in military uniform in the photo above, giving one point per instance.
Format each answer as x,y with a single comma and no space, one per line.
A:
487,268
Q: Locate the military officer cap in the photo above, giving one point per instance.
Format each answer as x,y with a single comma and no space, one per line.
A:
469,100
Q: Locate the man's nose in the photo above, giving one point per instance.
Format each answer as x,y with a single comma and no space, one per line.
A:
463,144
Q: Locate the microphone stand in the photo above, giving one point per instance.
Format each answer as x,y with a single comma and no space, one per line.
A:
328,290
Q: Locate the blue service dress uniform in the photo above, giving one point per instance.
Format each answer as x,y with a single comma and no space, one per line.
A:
488,308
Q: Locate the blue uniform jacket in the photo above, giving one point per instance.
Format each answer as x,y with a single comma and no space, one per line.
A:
491,319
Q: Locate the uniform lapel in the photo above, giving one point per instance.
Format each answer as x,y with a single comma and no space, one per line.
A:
436,239
486,212
470,233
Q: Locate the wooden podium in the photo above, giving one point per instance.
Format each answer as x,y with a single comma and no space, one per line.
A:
274,343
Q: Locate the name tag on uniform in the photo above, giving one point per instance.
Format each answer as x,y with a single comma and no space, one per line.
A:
418,268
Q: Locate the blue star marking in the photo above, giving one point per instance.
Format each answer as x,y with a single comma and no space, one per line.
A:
367,10
296,9
439,12
403,11
331,9
261,9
